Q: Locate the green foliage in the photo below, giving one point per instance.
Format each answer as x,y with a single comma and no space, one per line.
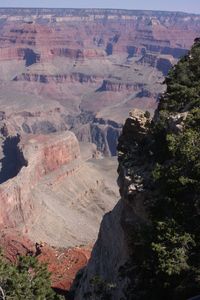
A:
101,288
171,248
166,264
183,87
28,280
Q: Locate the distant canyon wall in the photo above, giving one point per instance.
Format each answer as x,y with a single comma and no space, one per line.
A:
101,62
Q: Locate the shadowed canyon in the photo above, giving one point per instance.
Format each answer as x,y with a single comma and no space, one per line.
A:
68,79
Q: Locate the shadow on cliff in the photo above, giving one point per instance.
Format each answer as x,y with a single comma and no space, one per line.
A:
63,292
31,57
13,159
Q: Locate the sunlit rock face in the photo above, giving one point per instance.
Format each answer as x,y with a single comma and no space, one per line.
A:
60,66
54,191
36,157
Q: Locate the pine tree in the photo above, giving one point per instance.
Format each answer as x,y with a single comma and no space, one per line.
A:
28,280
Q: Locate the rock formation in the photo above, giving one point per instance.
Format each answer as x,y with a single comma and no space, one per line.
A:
80,71
115,269
48,185
103,276
148,246
108,62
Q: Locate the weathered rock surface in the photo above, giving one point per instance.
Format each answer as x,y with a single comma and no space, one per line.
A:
16,203
104,133
61,78
56,192
119,85
112,249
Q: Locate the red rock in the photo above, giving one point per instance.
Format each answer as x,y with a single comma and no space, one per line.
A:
44,154
62,263
124,32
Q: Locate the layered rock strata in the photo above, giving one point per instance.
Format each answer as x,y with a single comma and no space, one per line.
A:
43,155
55,182
60,63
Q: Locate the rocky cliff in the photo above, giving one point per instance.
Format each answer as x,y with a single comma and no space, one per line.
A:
41,155
61,78
103,277
82,70
62,263
121,264
104,133
148,245
41,184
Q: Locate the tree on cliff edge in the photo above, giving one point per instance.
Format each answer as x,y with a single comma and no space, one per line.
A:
169,267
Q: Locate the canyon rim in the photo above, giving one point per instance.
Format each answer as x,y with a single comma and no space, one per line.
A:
68,80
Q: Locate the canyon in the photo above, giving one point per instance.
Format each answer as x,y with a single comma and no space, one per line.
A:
53,186
107,272
58,65
138,253
68,79
54,191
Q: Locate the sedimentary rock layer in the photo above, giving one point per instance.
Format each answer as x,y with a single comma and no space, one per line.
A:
60,63
51,194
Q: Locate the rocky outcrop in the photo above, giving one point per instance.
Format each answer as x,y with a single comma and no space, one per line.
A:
110,85
87,128
54,186
104,276
42,155
32,122
78,54
28,55
162,62
162,49
103,133
61,78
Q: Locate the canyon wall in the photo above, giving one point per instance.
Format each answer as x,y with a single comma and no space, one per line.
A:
106,274
42,156
144,248
81,71
47,185
77,61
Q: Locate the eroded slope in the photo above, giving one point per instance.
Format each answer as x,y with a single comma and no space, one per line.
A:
58,197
